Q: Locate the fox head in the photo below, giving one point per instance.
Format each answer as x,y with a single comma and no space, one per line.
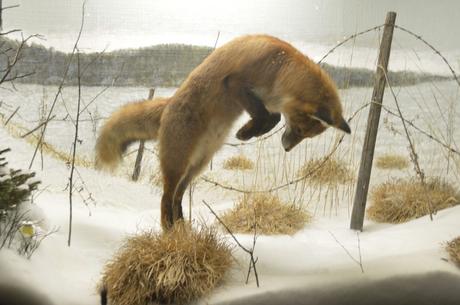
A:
306,120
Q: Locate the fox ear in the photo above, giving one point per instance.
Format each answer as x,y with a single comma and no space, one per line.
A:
323,115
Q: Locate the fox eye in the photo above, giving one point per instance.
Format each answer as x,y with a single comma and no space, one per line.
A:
323,115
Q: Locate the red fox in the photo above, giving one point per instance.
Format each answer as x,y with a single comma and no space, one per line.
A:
260,74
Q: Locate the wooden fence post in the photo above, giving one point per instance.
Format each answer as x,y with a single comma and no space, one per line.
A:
362,186
1,13
140,151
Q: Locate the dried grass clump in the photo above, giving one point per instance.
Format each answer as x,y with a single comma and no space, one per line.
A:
17,131
453,248
392,161
175,267
330,171
401,200
267,212
238,162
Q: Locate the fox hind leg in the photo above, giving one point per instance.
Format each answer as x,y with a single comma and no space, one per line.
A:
173,170
170,183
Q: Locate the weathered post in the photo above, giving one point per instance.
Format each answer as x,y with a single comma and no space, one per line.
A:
1,13
140,151
362,186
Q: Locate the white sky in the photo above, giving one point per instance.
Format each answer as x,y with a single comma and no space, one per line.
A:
121,23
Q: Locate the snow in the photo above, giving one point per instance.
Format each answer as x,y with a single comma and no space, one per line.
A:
23,187
313,258
5,178
32,180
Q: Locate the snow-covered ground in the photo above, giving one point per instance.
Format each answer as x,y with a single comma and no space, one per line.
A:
314,257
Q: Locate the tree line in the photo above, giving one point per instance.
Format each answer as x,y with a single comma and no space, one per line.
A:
165,65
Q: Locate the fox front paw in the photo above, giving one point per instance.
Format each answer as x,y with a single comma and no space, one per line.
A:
268,124
246,132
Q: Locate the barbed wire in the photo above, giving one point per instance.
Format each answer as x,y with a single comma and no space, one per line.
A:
257,140
423,132
340,140
348,39
351,37
334,149
432,48
296,180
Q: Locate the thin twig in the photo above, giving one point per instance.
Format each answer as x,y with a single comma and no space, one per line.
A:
10,64
250,252
217,39
114,80
10,32
423,132
12,115
413,154
38,127
359,262
359,251
254,240
61,85
8,7
74,149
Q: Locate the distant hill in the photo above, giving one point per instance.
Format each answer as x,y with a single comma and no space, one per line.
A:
160,65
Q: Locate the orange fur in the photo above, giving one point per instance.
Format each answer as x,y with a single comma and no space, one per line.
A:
192,125
134,121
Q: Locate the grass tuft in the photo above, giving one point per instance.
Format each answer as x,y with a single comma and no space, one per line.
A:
238,163
453,248
331,171
267,212
401,200
174,267
392,161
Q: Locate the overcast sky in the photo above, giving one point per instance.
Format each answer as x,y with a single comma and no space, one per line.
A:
122,23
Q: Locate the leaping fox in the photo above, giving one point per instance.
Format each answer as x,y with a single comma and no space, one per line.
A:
260,74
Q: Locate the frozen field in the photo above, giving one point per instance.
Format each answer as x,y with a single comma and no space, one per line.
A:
432,107
314,257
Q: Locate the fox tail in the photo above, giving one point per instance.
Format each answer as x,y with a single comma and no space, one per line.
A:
132,122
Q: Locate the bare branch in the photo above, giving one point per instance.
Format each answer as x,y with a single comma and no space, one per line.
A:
359,262
413,154
74,148
38,127
12,115
61,85
10,32
423,132
103,90
8,7
217,40
252,263
16,77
